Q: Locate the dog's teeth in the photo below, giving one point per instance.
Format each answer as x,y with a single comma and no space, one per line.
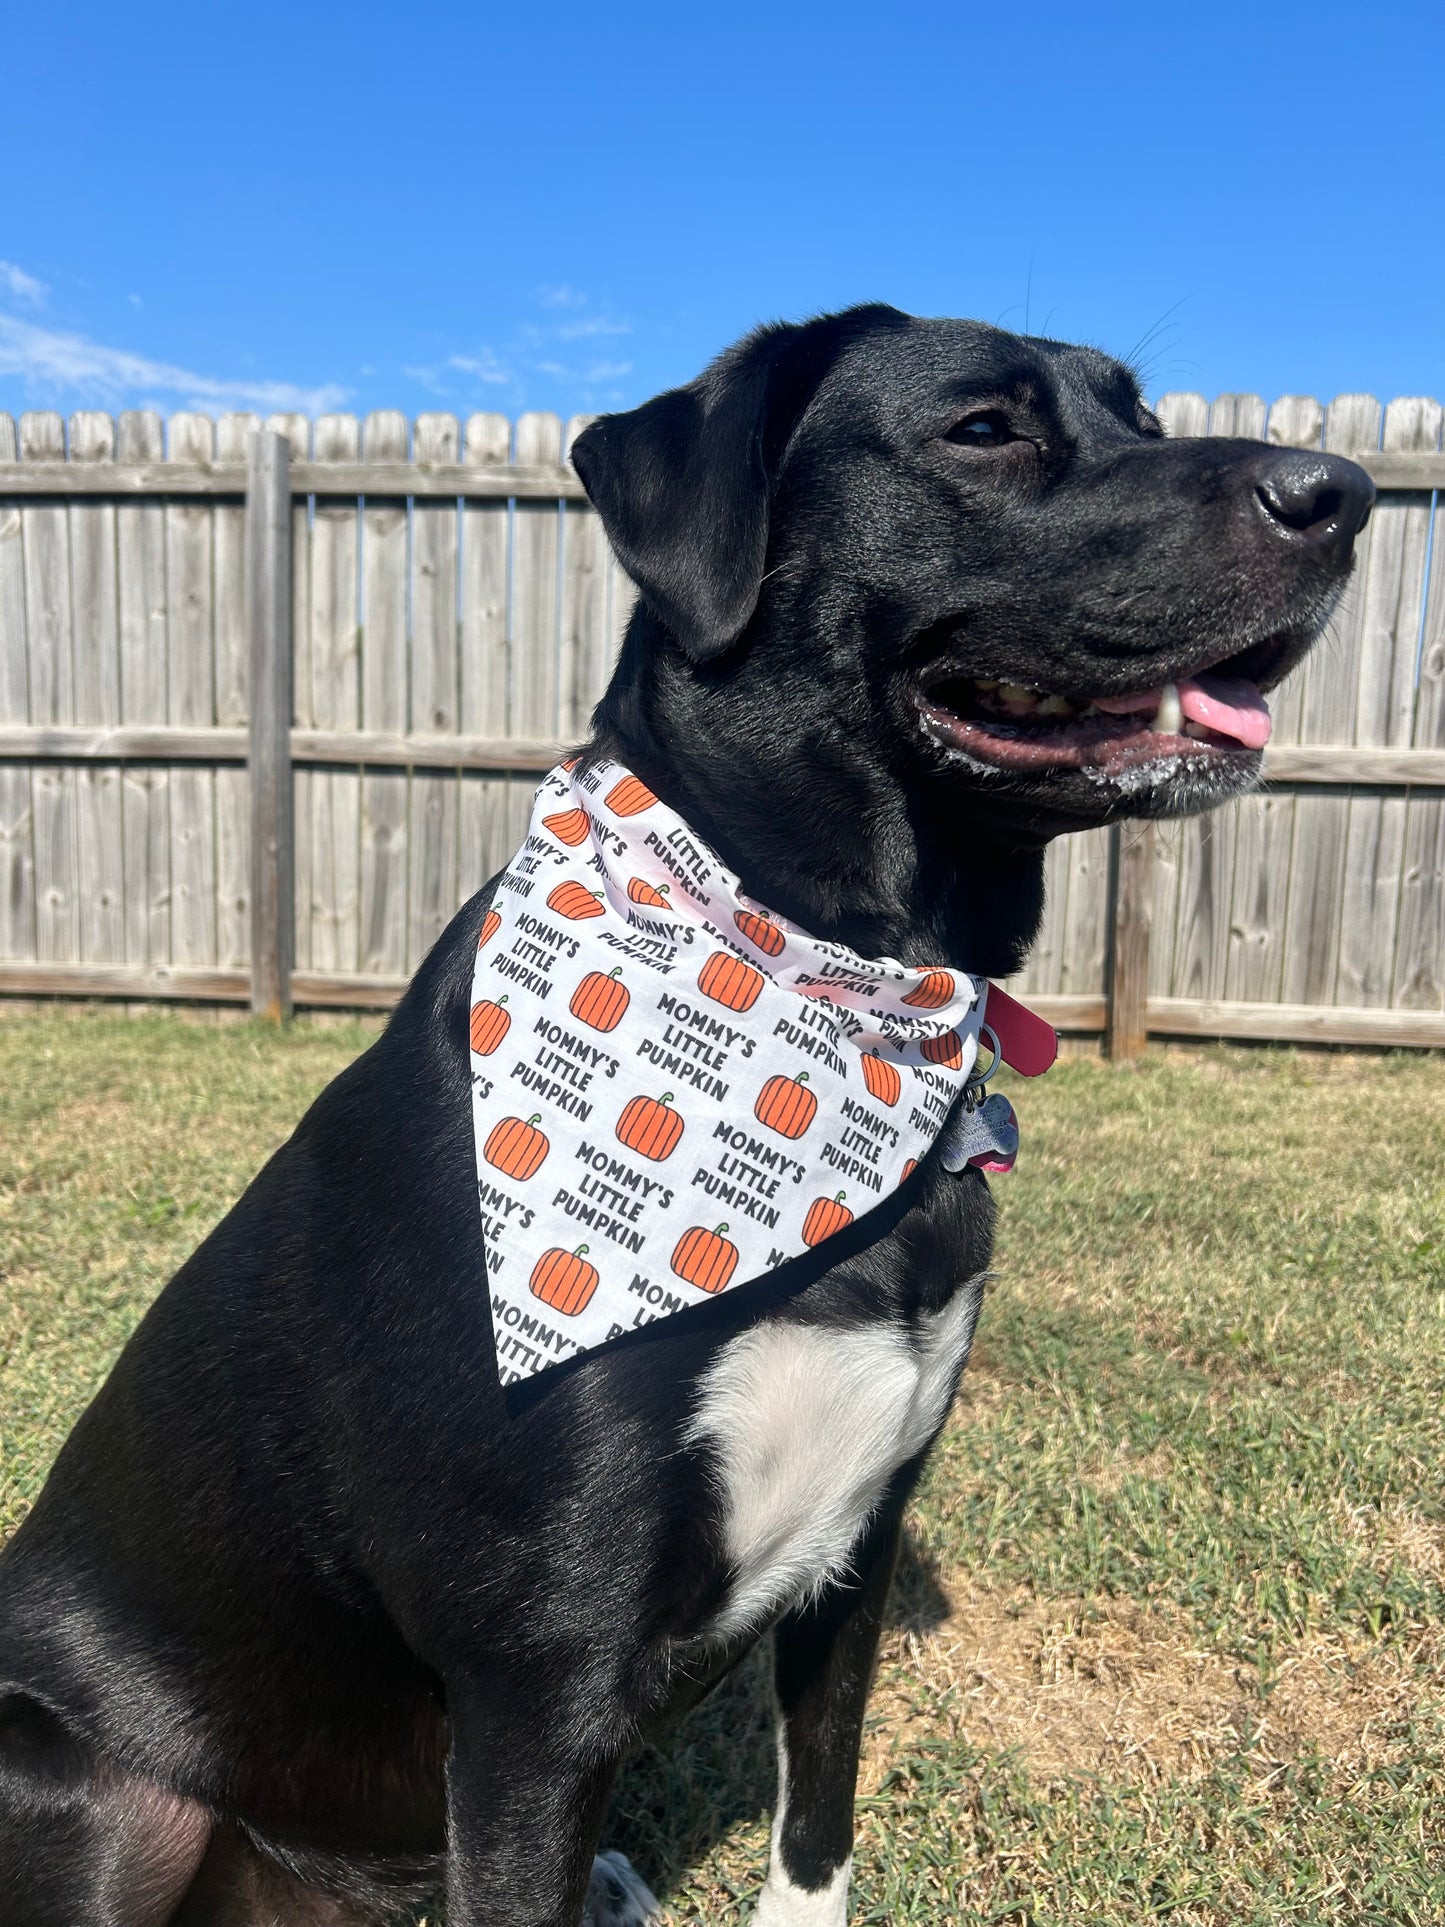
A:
1021,698
985,682
1056,706
1169,717
1196,730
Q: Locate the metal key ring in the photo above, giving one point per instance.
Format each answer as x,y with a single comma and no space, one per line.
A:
974,1076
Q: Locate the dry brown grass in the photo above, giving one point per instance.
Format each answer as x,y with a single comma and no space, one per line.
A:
1124,1691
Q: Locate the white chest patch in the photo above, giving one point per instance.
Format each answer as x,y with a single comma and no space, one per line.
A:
809,1424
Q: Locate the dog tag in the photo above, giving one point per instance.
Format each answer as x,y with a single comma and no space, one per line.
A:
985,1135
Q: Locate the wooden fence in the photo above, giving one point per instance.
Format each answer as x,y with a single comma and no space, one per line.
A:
445,611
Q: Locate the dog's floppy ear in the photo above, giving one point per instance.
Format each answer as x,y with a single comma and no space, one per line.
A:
684,484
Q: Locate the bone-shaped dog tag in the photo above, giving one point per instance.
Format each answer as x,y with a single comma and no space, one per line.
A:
985,1135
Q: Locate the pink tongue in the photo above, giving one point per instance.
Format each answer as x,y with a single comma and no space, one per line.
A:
1228,704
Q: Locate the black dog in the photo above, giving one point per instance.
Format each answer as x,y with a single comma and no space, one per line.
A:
312,1621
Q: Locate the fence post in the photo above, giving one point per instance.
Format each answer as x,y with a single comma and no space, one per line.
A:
1131,880
268,621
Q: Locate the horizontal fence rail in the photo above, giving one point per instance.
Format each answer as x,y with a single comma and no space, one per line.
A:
390,481
451,617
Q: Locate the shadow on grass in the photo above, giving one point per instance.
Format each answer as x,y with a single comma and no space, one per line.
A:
717,1772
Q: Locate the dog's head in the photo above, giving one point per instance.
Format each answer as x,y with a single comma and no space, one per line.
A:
969,558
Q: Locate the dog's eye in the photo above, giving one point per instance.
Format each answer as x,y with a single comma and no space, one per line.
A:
986,429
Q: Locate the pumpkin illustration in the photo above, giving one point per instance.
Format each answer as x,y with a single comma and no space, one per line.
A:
759,930
825,1216
570,900
649,1127
705,1258
490,1024
730,981
629,796
882,1079
908,1170
946,1050
517,1147
933,993
641,891
571,763
568,826
564,1280
491,924
600,1000
786,1105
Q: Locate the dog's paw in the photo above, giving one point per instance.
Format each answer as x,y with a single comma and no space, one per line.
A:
784,1904
618,1896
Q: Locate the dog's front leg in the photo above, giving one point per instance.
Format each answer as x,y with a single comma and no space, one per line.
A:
523,1815
824,1657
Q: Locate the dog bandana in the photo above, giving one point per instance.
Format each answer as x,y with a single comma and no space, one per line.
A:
675,1091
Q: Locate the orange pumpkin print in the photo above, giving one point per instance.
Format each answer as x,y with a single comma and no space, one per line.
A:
629,797
564,1280
641,891
786,1105
600,1000
730,981
649,1127
570,900
491,924
825,1216
516,1146
490,1024
760,931
933,993
946,1050
882,1079
568,826
705,1258
908,1170
571,764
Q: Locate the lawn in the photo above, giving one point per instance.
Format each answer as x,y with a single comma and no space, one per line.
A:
1168,1642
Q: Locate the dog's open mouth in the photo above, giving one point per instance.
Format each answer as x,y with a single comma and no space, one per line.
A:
1209,715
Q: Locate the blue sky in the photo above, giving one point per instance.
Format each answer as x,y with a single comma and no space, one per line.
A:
570,207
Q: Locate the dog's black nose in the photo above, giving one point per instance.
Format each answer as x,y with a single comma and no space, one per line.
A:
1320,499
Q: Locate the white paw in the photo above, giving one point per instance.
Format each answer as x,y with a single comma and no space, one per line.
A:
782,1904
618,1896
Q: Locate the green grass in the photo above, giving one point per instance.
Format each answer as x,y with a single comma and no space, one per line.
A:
1169,1640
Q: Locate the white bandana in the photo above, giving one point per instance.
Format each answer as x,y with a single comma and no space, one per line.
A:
673,1090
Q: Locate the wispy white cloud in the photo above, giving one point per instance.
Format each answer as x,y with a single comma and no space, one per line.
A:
60,366
484,366
18,286
596,324
538,346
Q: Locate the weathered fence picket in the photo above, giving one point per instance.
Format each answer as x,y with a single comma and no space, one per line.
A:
17,844
141,600
453,613
384,708
269,553
232,709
